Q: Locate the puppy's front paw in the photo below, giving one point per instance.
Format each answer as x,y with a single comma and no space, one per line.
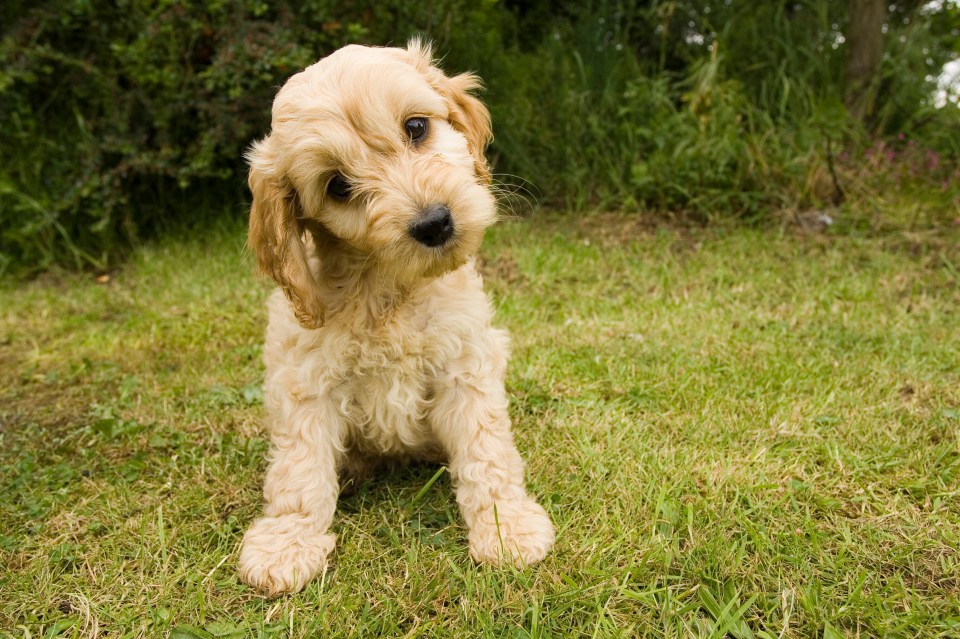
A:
282,554
520,533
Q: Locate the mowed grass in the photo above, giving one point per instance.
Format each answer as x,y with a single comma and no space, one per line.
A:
737,432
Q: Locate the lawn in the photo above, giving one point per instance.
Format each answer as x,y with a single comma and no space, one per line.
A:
741,432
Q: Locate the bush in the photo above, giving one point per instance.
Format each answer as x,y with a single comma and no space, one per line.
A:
736,112
121,109
122,117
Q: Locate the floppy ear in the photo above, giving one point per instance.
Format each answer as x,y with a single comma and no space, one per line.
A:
276,236
467,115
471,118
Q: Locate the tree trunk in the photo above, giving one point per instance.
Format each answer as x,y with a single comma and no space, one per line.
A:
864,54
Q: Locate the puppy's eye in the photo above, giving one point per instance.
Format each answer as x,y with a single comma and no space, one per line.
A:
416,129
339,188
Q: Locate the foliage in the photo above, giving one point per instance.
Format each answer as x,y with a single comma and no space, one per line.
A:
117,109
734,109
124,117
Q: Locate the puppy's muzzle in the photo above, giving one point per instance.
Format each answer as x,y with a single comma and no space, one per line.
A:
433,227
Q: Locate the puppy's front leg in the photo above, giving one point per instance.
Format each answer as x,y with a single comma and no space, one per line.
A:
470,419
283,550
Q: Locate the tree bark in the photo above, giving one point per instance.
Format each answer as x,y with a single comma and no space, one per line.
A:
864,54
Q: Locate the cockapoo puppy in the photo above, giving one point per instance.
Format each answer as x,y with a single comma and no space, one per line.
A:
370,199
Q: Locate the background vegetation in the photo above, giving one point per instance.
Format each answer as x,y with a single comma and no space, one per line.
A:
121,117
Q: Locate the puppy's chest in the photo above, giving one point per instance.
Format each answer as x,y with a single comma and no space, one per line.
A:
384,390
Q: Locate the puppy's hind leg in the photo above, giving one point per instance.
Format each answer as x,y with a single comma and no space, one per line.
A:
283,550
470,419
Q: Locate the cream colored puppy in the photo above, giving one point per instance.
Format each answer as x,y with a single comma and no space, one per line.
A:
370,199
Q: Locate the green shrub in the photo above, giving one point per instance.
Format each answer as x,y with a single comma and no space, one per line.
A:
122,117
607,131
630,109
119,109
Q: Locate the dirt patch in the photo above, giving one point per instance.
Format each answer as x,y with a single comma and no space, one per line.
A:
618,229
503,269
36,400
52,407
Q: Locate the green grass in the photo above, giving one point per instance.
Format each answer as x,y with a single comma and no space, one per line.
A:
737,432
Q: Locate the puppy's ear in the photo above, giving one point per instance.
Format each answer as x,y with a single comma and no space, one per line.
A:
467,115
470,117
276,236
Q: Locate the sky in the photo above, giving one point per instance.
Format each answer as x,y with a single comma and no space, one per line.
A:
948,83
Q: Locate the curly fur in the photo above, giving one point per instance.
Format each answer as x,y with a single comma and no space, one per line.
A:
378,346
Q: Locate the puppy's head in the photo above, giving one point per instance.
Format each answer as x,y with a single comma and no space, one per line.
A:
379,157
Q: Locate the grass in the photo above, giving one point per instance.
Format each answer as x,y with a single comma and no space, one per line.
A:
738,432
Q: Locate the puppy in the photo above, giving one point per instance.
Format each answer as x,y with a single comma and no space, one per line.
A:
370,199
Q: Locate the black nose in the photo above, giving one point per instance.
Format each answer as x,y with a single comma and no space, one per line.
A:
433,226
